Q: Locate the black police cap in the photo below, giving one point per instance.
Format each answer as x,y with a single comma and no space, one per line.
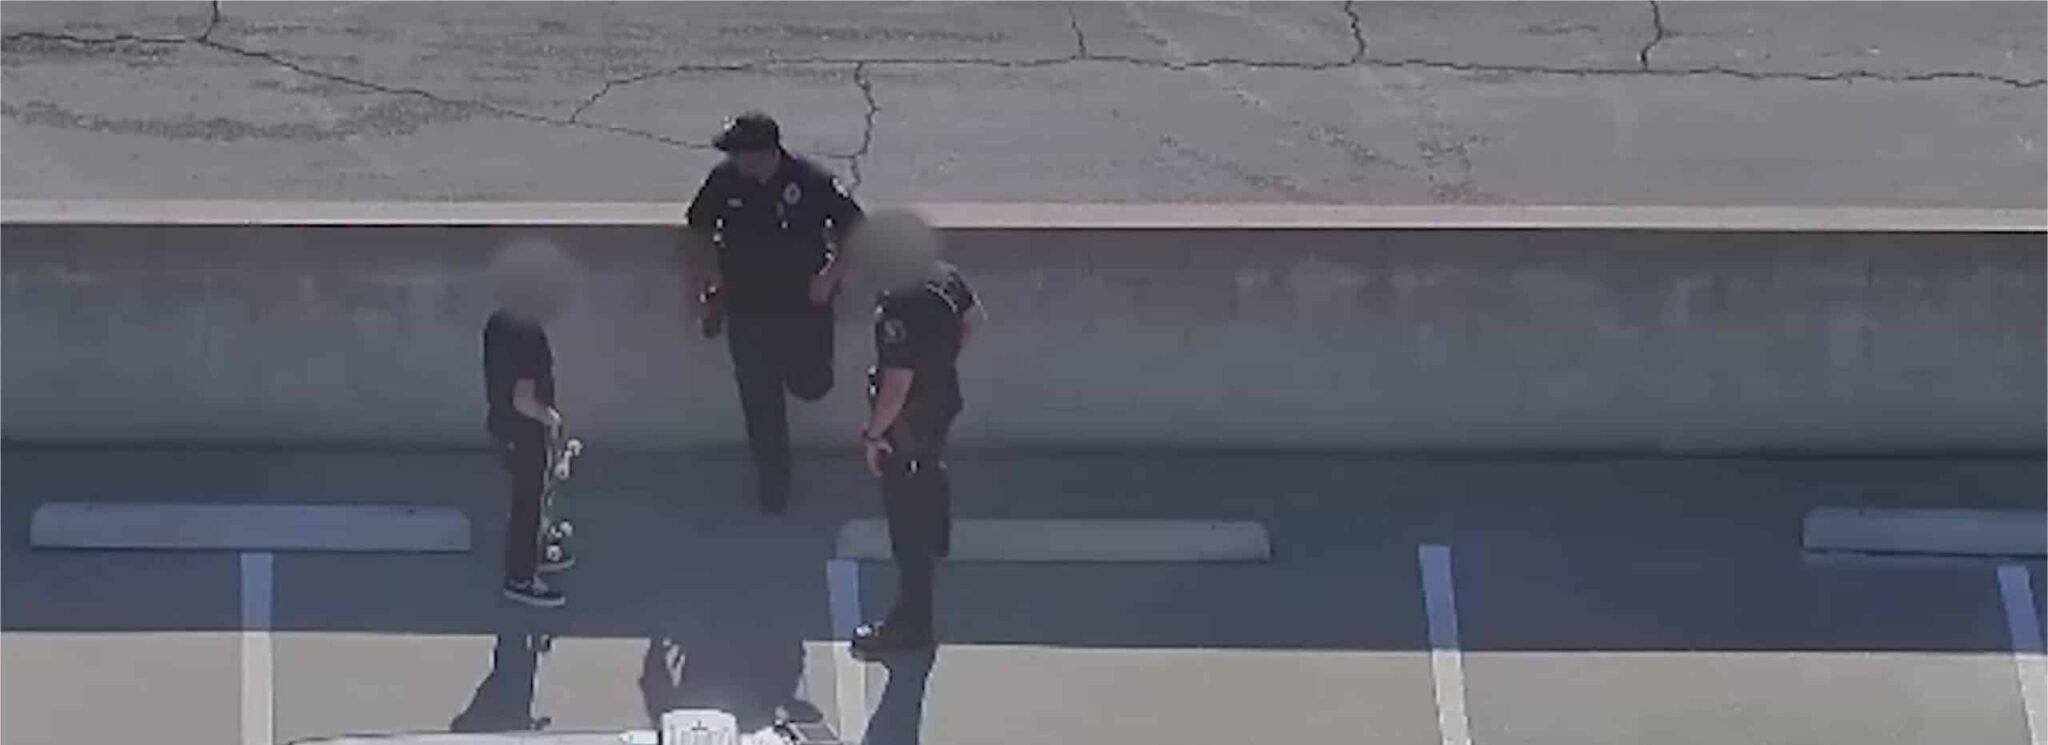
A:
749,131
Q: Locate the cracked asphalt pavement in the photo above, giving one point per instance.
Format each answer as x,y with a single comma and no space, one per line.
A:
1869,104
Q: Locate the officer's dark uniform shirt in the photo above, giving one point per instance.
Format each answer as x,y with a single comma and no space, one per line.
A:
514,350
919,328
771,236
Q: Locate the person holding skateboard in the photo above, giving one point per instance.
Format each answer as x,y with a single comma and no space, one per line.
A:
533,280
921,324
764,259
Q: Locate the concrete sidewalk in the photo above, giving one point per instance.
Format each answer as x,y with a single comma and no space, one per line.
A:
1874,104
1600,602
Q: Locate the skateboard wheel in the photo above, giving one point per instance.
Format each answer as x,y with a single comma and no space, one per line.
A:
563,529
554,553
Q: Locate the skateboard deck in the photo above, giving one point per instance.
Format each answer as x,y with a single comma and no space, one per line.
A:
555,530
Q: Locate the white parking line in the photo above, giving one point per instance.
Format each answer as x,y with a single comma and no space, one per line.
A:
1446,662
2025,629
849,676
258,727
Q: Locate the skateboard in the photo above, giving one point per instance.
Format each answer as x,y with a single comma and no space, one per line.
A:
716,727
556,530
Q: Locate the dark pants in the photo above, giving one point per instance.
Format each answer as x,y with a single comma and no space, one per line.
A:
523,452
917,498
773,353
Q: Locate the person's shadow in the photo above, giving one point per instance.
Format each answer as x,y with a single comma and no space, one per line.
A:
755,681
900,714
504,700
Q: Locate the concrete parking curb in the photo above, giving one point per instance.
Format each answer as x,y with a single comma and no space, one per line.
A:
2003,533
204,527
1077,541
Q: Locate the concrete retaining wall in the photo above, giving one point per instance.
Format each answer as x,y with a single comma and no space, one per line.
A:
1651,341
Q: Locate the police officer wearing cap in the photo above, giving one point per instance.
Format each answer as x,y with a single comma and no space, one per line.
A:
914,395
764,255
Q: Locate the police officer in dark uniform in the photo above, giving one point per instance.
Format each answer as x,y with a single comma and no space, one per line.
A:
764,251
914,395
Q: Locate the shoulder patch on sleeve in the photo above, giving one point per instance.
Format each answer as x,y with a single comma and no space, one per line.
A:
893,330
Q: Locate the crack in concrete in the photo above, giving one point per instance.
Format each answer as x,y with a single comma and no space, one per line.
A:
1262,181
860,79
1192,65
1657,18
1363,62
576,115
501,111
1690,72
212,22
1360,58
1446,156
279,61
867,132
389,116
591,101
1357,31
91,41
1235,88
1080,39
205,39
1319,134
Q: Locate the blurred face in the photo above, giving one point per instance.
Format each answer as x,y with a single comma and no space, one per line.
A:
759,165
893,248
533,278
535,301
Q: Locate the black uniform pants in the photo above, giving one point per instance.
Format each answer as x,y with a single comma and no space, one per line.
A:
773,353
523,452
918,501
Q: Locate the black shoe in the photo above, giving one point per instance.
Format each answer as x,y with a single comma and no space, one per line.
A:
535,593
555,557
774,495
876,638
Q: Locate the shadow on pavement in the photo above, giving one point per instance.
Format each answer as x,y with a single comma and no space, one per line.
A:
898,717
754,682
504,700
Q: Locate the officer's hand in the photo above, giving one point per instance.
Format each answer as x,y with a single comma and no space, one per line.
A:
821,288
709,321
876,448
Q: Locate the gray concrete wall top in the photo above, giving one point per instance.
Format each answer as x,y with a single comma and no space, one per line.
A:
1052,216
1641,341
1707,103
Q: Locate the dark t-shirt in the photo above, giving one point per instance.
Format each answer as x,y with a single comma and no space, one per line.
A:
919,328
515,349
772,237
